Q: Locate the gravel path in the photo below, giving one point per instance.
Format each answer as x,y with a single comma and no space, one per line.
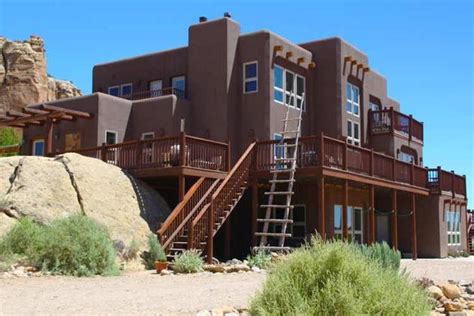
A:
136,293
148,293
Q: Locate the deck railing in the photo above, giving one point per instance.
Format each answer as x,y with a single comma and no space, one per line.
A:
155,93
164,152
391,121
440,180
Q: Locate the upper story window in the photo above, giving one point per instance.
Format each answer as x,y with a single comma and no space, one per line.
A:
123,90
251,77
289,85
353,133
179,86
406,157
353,99
111,137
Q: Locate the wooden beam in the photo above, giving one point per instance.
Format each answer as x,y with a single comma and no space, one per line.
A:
289,54
359,66
49,137
394,220
277,48
312,65
347,58
300,60
414,248
366,69
322,208
181,187
345,200
13,113
53,108
34,111
21,120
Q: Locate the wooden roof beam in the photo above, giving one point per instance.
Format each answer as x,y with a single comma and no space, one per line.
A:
34,111
13,113
312,65
53,108
289,55
277,48
300,60
347,58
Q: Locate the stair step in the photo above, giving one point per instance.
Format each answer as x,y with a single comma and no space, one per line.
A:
273,234
274,220
282,181
285,159
277,206
280,193
286,145
273,248
177,250
282,170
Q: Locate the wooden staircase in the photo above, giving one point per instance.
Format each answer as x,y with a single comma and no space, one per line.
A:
470,233
205,208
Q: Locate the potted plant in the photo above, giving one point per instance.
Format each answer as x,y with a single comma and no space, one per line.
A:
161,262
155,256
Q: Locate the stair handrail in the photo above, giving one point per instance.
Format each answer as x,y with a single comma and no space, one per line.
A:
163,233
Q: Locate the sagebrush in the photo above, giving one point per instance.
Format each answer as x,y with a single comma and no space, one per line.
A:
335,278
259,258
383,254
154,253
71,246
189,261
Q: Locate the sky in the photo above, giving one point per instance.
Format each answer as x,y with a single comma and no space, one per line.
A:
423,48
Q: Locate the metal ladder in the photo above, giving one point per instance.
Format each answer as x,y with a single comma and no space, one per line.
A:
285,166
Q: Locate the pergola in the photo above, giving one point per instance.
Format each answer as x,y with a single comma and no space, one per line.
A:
41,115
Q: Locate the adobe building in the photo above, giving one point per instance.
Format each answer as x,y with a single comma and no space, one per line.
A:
223,99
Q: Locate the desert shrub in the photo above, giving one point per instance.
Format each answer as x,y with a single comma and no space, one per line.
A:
189,261
383,254
72,246
154,253
8,136
259,258
334,278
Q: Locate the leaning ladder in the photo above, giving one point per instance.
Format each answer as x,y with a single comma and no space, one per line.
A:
288,162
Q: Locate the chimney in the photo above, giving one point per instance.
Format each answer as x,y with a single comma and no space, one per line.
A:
202,19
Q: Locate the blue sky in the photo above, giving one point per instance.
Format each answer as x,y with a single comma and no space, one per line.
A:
423,48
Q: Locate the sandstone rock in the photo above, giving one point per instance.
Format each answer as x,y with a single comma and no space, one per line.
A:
470,306
453,306
214,268
50,188
435,292
237,268
470,289
451,291
23,75
166,272
256,269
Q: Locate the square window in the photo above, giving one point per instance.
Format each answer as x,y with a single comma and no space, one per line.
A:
356,131
278,77
126,89
110,137
349,129
114,91
251,86
250,77
278,96
251,70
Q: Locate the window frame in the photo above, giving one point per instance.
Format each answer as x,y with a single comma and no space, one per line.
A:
125,85
351,139
245,79
351,231
275,88
453,225
287,93
351,101
112,132
114,87
33,146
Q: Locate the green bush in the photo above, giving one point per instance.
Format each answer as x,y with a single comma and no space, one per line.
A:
334,278
189,261
72,246
383,254
260,259
8,137
155,253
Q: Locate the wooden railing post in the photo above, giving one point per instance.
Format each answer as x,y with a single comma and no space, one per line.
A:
321,149
210,232
138,154
191,235
344,155
410,129
182,149
412,172
392,119
229,158
372,162
453,180
440,185
103,152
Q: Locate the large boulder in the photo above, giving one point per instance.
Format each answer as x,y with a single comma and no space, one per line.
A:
24,78
49,188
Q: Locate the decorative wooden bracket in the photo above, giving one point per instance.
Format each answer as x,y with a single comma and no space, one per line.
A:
312,65
289,54
300,60
278,48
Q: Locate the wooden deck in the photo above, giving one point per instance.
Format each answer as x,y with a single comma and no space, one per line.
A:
393,122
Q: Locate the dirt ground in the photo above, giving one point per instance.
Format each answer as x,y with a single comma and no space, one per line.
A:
148,293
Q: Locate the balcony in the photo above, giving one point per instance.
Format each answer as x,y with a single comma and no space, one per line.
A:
393,122
155,93
336,156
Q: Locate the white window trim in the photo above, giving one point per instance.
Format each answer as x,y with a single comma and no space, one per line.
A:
124,85
288,93
146,134
282,90
113,87
300,97
112,132
351,101
36,141
454,231
351,231
245,79
351,139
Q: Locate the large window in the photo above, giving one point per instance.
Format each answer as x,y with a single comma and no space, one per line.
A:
179,86
38,147
453,221
251,77
289,85
124,90
355,224
353,99
353,133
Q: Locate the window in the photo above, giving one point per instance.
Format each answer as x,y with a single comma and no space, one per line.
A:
124,90
352,96
453,221
278,90
355,223
406,157
179,86
38,147
353,133
111,137
250,77
155,87
290,85
115,90
279,151
147,154
374,106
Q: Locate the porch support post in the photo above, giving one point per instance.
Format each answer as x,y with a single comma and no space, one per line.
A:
254,212
414,249
372,230
394,218
210,233
322,208
345,199
49,138
181,187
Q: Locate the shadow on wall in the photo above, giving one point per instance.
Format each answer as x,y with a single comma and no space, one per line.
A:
153,207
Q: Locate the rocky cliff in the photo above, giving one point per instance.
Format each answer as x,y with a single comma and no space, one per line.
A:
24,78
49,188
